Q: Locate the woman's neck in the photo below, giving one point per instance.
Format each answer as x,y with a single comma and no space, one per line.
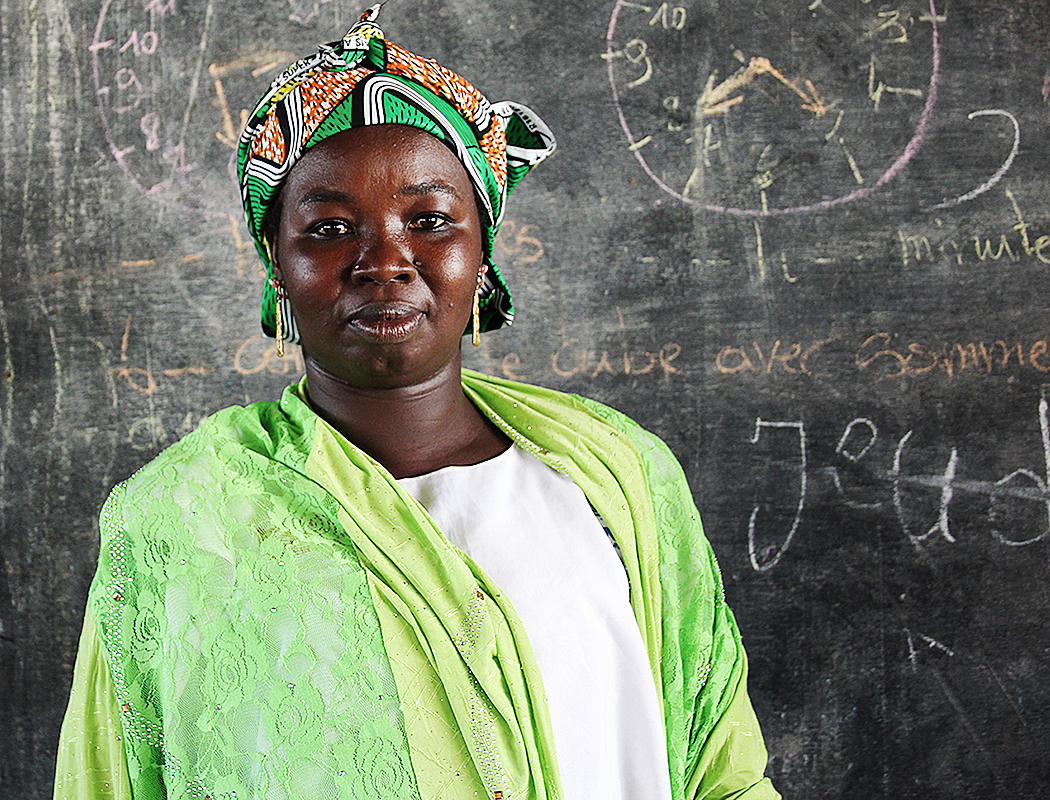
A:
410,430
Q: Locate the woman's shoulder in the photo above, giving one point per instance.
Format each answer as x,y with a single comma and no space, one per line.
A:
268,430
541,396
656,455
553,402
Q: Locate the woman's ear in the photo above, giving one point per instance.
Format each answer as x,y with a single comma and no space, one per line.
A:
271,224
270,243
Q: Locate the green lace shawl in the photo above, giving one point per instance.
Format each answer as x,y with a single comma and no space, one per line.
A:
281,620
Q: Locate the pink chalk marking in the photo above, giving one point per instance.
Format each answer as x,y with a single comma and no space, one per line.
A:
913,146
156,192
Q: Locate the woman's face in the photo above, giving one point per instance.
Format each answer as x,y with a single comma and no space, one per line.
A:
379,248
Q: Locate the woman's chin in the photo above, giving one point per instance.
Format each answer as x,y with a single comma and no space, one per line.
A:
390,367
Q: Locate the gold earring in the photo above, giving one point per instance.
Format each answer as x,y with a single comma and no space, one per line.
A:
278,288
475,335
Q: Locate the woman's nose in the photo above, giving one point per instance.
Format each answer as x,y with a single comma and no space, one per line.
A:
383,260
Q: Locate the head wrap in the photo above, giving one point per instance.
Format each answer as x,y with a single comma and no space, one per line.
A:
366,80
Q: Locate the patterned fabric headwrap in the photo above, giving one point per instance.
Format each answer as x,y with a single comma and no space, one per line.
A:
366,80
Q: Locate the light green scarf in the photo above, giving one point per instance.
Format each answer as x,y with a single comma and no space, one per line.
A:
282,620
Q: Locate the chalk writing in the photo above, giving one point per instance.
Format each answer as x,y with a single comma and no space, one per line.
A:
856,444
143,380
760,253
125,65
881,356
153,62
162,7
932,246
519,242
792,357
669,18
944,482
305,12
843,448
150,433
877,88
890,25
951,358
128,84
144,45
571,359
636,52
1021,243
753,556
258,353
257,64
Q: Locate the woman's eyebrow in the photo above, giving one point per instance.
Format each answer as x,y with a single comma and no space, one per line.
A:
431,187
321,196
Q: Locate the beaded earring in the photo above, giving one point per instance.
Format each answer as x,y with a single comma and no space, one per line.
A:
278,287
475,334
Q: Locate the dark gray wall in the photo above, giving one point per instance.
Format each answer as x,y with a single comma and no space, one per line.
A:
854,380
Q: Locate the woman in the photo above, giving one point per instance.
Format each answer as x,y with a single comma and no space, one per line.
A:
403,580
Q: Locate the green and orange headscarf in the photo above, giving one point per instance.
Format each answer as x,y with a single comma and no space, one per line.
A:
364,79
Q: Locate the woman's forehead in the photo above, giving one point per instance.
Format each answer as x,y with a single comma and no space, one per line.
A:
375,151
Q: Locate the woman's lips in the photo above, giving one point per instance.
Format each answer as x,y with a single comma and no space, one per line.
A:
386,323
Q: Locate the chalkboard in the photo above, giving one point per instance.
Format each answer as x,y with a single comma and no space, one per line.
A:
806,242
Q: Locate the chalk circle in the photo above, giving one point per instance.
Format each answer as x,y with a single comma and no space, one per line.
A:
171,80
910,149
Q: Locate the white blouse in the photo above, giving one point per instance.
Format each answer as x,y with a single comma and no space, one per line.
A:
535,535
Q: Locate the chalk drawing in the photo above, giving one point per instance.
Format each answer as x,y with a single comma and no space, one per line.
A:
947,490
999,173
856,444
873,434
1040,483
752,554
931,643
611,55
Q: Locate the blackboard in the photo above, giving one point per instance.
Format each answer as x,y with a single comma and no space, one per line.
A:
806,242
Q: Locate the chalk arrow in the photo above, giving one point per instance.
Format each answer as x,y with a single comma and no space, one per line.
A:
719,99
930,643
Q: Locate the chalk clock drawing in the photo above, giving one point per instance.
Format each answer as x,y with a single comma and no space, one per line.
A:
173,79
755,108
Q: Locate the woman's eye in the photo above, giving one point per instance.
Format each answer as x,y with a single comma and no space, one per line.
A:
331,227
430,221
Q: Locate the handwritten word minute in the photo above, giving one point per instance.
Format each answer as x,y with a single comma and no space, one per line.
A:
929,246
